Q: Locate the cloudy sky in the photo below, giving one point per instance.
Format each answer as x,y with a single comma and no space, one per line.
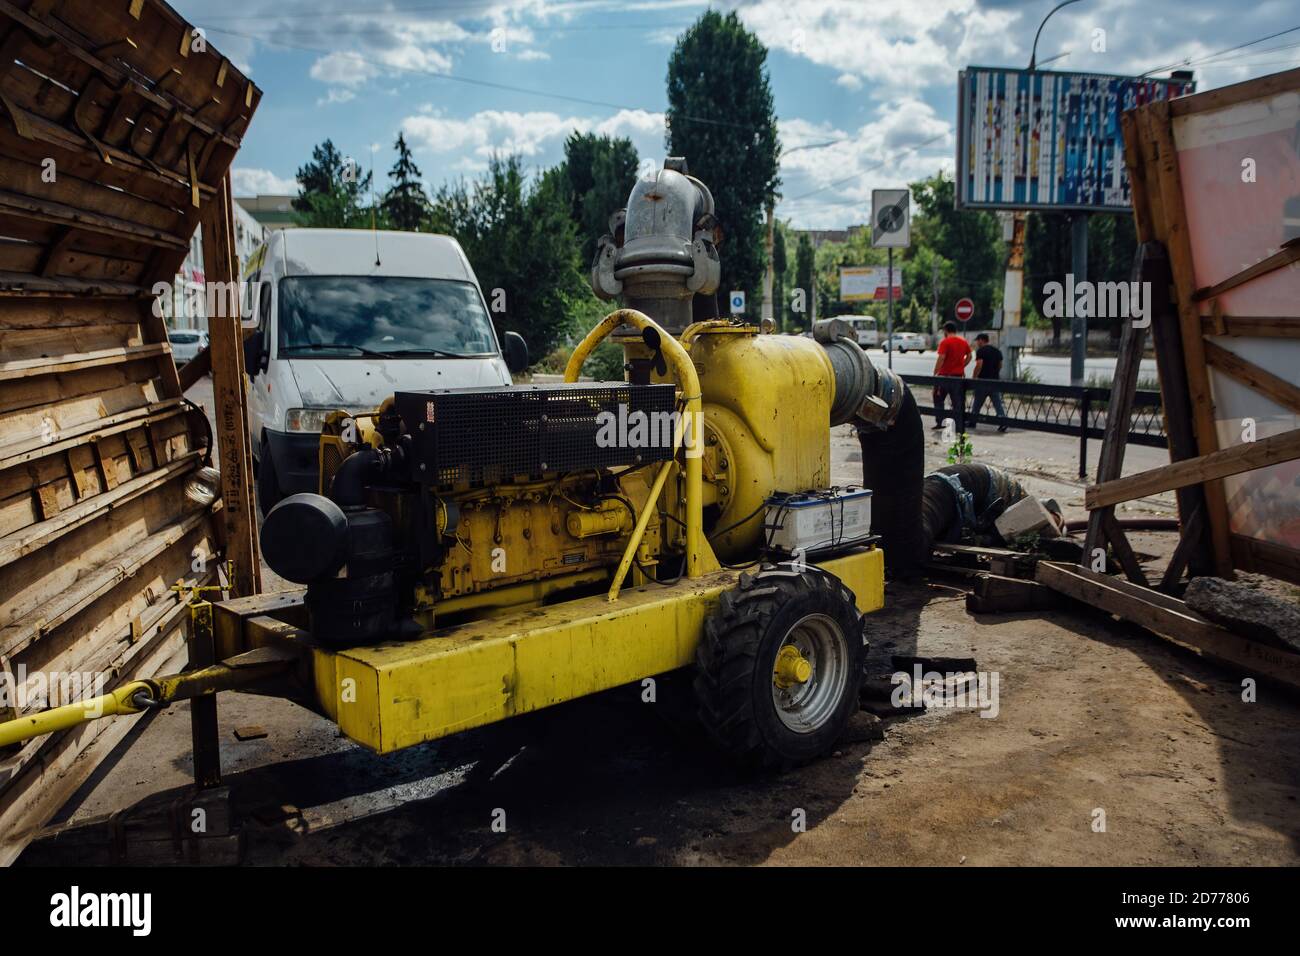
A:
870,84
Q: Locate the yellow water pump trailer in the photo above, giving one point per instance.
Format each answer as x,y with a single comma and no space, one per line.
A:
478,554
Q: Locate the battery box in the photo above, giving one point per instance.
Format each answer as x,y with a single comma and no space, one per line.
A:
813,521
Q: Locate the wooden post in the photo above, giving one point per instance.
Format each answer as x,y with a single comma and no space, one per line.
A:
1159,143
235,450
1166,336
1119,413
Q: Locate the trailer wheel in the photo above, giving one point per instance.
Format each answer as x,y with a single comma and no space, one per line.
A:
779,668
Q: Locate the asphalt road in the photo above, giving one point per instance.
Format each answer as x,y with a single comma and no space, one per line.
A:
1051,369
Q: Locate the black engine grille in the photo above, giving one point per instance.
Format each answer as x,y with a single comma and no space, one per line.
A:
491,435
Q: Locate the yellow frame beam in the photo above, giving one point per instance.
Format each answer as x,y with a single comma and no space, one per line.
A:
399,694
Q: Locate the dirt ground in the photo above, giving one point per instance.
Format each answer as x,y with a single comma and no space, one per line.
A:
1109,747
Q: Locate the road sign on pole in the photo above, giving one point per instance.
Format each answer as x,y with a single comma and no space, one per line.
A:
964,310
889,329
891,221
737,303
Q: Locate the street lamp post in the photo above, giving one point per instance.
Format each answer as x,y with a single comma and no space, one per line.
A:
1033,54
1078,246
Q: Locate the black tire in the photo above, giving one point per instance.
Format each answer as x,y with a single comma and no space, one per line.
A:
736,689
268,486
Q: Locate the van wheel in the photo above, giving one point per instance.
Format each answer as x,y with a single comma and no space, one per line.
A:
779,668
268,487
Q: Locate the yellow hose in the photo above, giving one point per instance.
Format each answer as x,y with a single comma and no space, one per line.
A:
699,556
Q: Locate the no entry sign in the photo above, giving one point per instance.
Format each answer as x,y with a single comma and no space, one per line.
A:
964,309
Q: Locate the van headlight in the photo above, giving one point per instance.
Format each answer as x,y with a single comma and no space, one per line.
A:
306,419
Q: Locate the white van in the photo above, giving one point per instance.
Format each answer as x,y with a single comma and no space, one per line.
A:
864,330
346,317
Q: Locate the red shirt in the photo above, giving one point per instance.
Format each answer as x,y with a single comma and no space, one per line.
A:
954,353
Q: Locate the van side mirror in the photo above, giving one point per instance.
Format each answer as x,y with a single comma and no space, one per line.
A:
255,353
515,351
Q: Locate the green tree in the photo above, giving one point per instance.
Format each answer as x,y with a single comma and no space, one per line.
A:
600,172
405,204
919,283
720,118
331,191
1112,242
970,240
1047,259
523,245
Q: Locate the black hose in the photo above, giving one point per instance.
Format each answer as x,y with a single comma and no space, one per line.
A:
1129,524
893,465
348,489
944,516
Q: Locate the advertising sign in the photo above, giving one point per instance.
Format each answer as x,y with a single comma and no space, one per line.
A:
868,283
1045,140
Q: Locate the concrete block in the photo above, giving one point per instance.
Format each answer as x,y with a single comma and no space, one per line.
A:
1026,516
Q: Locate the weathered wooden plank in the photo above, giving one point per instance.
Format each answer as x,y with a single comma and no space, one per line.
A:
1160,144
76,361
1230,461
21,543
229,384
1251,375
91,432
27,283
76,319
16,635
47,210
1236,93
1170,618
1254,326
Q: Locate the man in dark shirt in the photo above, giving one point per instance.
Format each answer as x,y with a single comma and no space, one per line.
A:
988,369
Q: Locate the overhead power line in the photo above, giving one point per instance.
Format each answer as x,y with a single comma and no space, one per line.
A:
860,174
471,81
1195,61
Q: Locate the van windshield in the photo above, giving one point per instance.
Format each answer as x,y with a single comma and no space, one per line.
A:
392,316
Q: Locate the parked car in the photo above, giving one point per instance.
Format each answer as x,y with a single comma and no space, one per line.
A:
343,319
186,343
904,342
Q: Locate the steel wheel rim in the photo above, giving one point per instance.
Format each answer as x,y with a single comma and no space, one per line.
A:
807,707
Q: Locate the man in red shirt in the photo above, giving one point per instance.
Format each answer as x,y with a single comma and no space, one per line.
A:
954,355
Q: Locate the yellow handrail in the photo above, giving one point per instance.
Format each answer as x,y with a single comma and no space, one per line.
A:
699,556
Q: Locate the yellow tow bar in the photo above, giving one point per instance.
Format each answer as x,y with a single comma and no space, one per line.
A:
245,670
130,698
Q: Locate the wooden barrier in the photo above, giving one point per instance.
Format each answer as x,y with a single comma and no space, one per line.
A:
118,124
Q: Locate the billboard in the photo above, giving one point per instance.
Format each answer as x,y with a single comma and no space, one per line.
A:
1047,140
868,283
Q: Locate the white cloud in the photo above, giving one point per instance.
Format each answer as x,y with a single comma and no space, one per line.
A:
342,68
849,81
530,134
831,185
903,46
252,182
